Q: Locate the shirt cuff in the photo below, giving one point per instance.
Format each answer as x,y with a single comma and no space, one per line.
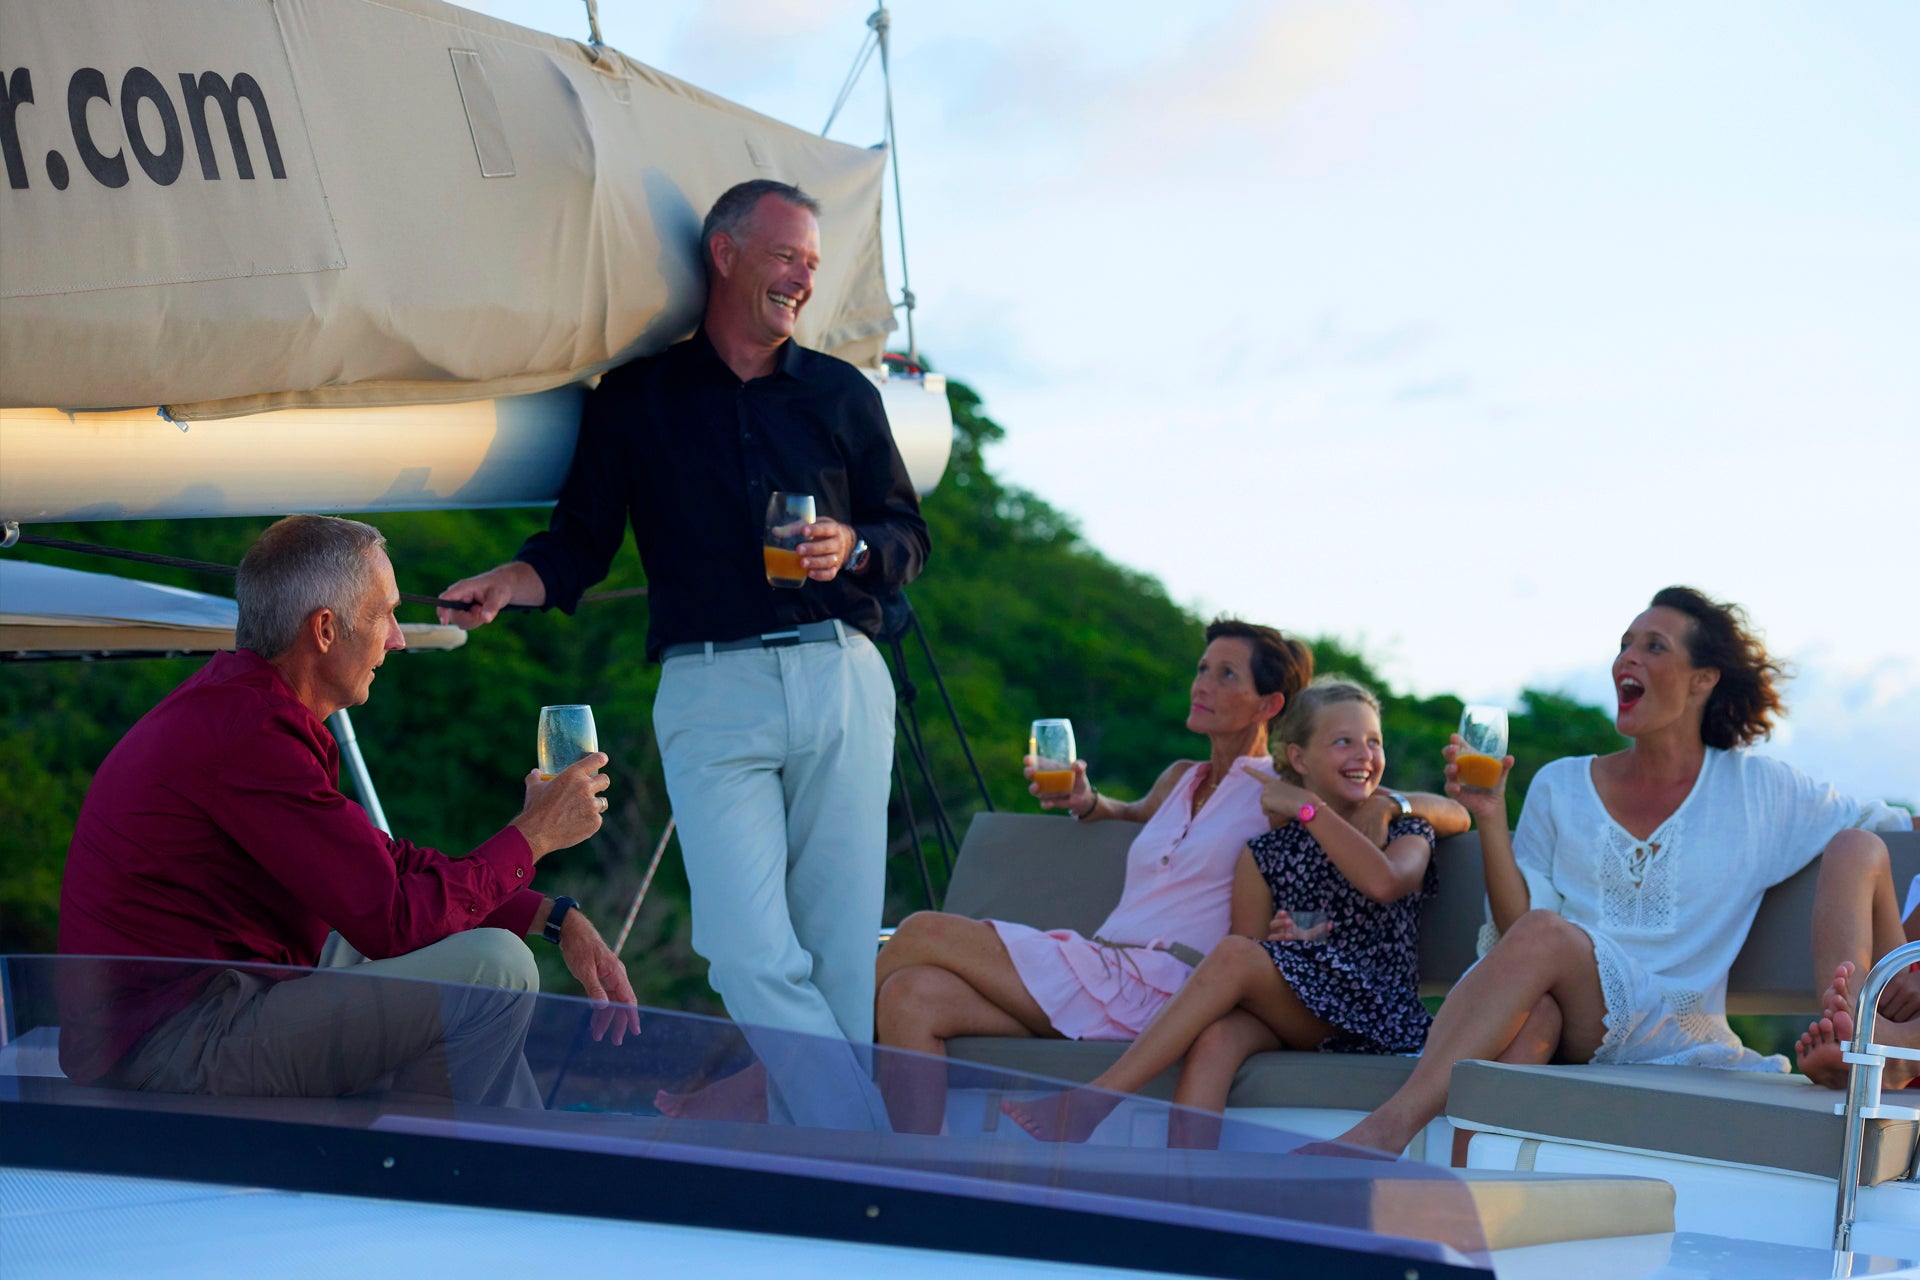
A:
516,914
508,855
557,594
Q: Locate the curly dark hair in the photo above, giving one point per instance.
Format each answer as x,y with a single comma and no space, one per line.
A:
1281,664
1745,703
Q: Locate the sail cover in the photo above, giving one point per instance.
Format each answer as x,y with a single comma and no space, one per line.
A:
227,206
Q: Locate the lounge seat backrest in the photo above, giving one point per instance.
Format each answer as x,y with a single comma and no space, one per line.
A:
1055,873
1052,872
1041,870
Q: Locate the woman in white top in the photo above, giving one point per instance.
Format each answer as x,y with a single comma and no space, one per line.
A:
1634,877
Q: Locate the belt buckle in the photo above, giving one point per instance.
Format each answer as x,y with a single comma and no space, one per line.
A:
779,639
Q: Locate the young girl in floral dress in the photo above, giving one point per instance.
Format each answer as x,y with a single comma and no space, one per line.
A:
1347,984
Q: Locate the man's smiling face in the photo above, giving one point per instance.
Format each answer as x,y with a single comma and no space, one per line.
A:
770,275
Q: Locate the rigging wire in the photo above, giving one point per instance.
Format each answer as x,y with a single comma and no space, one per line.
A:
205,566
860,60
879,30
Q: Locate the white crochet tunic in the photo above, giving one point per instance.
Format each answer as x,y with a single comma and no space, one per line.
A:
1668,914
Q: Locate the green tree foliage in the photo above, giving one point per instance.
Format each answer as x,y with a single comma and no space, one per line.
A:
1025,618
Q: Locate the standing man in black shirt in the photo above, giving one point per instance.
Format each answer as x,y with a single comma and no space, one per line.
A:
775,712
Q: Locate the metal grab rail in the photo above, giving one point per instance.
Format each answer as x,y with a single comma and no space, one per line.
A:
1863,1085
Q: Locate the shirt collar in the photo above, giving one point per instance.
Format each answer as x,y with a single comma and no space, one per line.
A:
791,360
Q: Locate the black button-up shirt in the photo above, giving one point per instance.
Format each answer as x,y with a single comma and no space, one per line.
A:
688,453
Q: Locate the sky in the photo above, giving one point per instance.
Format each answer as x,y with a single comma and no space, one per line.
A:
1455,330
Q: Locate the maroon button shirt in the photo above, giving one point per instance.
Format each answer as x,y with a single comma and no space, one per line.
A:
216,830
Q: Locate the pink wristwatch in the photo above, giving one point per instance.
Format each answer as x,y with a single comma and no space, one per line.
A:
1307,812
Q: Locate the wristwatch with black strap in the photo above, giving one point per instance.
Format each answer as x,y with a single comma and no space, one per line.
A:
862,553
556,917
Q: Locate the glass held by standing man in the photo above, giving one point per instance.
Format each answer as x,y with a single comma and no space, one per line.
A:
775,711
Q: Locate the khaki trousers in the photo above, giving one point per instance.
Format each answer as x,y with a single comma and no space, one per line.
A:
445,1022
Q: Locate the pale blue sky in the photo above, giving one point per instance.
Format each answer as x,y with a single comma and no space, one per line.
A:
1455,328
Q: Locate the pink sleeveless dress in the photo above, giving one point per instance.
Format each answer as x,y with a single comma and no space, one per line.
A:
1179,890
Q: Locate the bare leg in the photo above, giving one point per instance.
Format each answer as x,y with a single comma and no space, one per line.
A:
1539,1036
1542,954
1856,920
1207,1077
1238,974
971,950
920,1008
1856,914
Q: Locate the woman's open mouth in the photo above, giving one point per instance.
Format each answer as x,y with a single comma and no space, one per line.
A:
1629,691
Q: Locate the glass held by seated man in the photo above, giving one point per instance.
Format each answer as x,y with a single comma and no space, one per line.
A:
215,830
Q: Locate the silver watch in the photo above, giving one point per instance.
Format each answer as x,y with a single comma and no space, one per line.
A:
861,554
1406,809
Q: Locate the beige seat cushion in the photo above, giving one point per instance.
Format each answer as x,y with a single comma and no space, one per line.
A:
1766,1120
1520,1209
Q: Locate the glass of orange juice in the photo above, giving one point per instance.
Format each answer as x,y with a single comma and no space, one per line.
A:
1484,731
788,515
1050,743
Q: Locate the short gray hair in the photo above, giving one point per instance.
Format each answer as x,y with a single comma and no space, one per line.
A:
300,564
735,205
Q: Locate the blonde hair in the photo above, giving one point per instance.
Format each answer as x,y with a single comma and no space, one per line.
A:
1296,723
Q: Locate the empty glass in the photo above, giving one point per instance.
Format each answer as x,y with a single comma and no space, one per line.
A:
566,736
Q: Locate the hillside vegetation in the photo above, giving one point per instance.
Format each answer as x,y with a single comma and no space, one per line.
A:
1025,618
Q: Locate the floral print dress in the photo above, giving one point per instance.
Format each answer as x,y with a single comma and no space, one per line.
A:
1364,976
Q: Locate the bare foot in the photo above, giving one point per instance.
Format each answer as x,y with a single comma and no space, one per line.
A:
1373,1133
1065,1117
1817,1053
742,1096
1818,1050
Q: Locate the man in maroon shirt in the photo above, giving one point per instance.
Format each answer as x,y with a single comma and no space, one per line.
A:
216,830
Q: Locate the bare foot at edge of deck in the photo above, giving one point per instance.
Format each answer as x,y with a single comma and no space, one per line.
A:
1370,1136
1071,1116
1818,1055
741,1096
1817,1052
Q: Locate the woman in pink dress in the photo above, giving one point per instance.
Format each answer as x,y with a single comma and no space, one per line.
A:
945,975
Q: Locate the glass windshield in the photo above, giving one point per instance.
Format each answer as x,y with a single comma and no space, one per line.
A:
342,1081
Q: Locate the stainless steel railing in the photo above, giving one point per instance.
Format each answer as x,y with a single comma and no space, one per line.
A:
1863,1086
